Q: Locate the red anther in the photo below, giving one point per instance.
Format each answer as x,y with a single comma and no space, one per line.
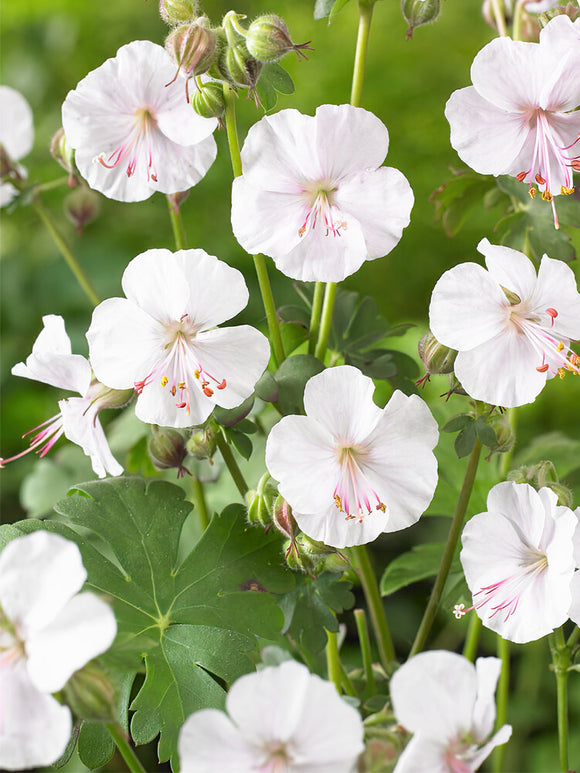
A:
207,391
222,385
173,391
181,405
552,312
540,180
542,368
521,176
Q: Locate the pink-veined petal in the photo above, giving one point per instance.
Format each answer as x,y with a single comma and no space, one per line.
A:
561,91
556,288
331,527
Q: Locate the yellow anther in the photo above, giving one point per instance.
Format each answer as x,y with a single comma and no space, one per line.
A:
196,373
181,385
301,231
532,192
561,372
560,346
338,502
381,507
566,191
164,381
547,196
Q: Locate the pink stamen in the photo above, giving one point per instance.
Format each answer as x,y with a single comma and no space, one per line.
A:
354,495
41,443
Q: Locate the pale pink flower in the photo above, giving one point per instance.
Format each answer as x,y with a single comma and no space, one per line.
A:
519,116
16,136
281,719
448,703
48,630
314,196
349,469
518,561
132,128
511,327
52,362
162,339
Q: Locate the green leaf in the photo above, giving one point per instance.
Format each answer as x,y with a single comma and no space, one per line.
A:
457,422
292,376
278,78
337,8
266,93
485,432
465,441
311,607
229,417
421,562
95,745
242,442
322,8
293,334
194,621
267,388
457,197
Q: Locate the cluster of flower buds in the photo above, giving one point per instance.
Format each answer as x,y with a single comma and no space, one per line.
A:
231,53
543,475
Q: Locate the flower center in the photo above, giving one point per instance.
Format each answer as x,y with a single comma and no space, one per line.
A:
180,368
354,494
138,143
321,210
278,758
556,355
552,164
11,646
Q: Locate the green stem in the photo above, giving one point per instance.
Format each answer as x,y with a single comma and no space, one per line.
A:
517,26
326,321
64,249
503,653
365,646
259,260
125,749
499,18
362,41
375,603
200,503
346,683
315,316
177,224
575,635
472,638
333,660
452,540
561,663
231,464
506,459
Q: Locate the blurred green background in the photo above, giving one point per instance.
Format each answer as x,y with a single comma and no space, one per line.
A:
49,45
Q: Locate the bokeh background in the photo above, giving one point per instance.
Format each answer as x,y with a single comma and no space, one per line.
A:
49,45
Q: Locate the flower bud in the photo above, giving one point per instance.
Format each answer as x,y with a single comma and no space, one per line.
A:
63,154
238,67
307,555
283,519
260,501
505,436
90,694
268,39
104,397
540,475
202,445
167,448
208,101
436,357
192,46
419,12
81,206
176,12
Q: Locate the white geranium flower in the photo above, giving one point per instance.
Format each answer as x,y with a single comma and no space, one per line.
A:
16,136
512,329
162,339
448,703
52,362
349,469
281,719
314,196
519,116
132,128
47,632
518,561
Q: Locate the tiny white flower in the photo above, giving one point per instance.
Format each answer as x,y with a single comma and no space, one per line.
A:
48,630
314,196
519,118
16,135
132,128
448,703
511,327
518,561
52,362
281,719
349,469
162,338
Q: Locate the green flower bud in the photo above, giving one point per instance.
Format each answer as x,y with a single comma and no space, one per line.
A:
307,555
175,12
261,500
90,694
81,206
505,436
268,40
540,475
238,67
419,12
106,398
62,152
192,46
202,445
436,357
283,519
208,101
167,448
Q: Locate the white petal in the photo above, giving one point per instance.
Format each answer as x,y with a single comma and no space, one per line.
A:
209,741
82,426
487,672
39,574
574,611
156,405
509,268
16,129
560,31
523,506
423,754
502,736
509,74
330,526
561,91
486,137
51,361
85,628
433,694
341,400
556,288
381,200
34,727
7,193
155,282
467,307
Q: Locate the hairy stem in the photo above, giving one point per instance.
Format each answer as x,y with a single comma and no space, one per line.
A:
231,464
179,235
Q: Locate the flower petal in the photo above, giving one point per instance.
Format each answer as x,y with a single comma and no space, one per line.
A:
331,527
509,74
82,426
509,268
487,672
17,128
423,754
209,741
156,405
556,288
155,282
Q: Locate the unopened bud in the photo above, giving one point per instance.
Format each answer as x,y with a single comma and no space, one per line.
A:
260,501
202,445
90,694
192,46
238,67
505,437
307,555
208,101
167,448
175,12
268,39
81,206
63,153
436,357
176,199
564,494
543,475
105,398
419,12
283,519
